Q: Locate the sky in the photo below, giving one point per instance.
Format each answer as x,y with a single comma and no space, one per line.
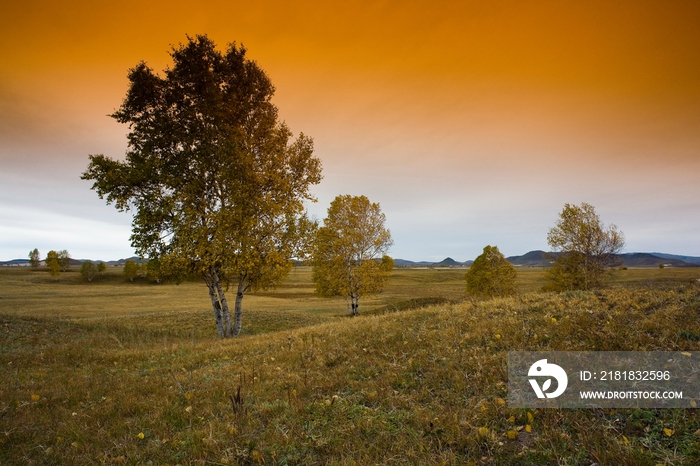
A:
471,123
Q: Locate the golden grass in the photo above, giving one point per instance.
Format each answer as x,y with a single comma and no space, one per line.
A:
422,386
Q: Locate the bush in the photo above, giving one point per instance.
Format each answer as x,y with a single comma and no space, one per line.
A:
491,275
131,270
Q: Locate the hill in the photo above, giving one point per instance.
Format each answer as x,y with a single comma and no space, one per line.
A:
688,259
640,259
427,386
635,259
447,262
531,259
16,263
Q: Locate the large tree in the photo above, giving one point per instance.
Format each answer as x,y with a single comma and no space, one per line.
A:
349,252
491,275
586,249
216,180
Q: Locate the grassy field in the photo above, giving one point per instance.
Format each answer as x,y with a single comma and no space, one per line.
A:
114,372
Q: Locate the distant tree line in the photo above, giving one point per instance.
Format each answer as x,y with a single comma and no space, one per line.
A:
59,261
56,261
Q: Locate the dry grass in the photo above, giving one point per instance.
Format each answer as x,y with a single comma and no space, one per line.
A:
152,385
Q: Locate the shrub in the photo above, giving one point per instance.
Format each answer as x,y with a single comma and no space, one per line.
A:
491,275
131,269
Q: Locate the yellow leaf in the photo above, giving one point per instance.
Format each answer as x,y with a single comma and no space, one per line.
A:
530,417
141,436
554,319
625,440
35,397
512,434
511,419
668,432
501,401
497,336
483,431
528,428
693,403
685,353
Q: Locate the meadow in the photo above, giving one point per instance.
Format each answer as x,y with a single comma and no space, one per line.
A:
115,372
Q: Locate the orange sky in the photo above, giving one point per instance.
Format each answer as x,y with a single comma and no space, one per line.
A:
472,123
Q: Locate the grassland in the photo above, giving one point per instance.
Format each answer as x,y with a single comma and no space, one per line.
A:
113,372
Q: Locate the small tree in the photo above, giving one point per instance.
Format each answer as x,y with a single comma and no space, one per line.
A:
64,260
131,270
34,259
153,270
349,256
88,269
586,249
491,275
101,268
52,262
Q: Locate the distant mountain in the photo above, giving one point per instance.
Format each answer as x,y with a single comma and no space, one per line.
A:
407,263
689,259
447,262
15,263
531,259
633,259
643,259
119,262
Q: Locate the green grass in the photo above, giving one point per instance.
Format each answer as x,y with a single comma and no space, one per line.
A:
87,369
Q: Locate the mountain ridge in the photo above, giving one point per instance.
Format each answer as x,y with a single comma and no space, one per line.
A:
535,258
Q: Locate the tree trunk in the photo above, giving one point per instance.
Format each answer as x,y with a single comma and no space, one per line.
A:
217,307
219,303
238,309
355,304
225,314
